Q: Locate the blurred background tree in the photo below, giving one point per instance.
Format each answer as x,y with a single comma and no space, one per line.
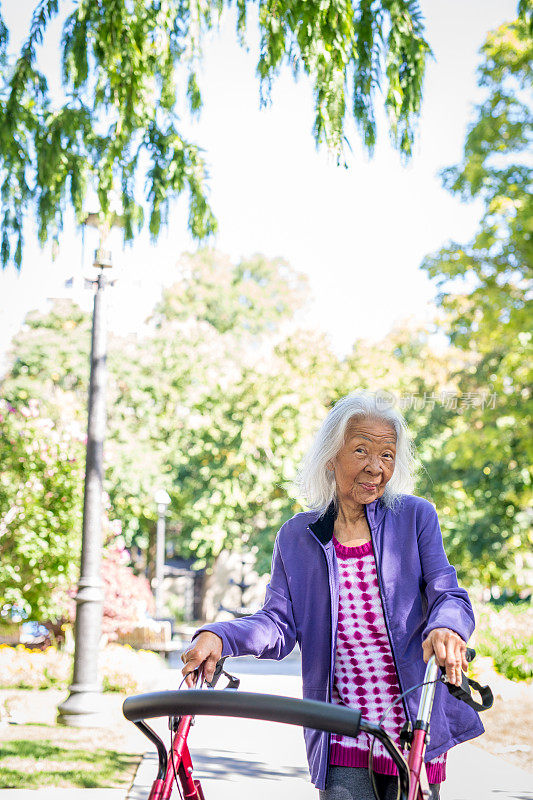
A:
220,406
217,403
50,360
41,489
207,362
483,459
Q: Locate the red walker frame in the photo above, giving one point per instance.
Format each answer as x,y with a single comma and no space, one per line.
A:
177,763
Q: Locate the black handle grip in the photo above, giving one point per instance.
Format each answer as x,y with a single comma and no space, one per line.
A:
308,713
469,655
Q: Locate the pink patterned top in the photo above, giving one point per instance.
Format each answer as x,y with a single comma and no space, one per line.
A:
365,675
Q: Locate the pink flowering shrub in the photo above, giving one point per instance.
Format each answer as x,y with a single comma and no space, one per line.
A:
128,598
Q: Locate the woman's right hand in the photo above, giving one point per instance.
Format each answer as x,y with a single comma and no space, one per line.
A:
202,655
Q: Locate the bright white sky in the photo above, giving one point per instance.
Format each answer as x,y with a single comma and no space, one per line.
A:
359,234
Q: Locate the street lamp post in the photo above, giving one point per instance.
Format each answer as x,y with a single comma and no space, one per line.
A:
163,501
83,706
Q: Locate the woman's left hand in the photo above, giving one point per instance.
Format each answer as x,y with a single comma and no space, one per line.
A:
449,651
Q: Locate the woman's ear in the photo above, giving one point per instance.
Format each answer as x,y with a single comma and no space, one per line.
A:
330,466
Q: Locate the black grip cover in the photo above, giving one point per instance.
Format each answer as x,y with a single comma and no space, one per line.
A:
221,703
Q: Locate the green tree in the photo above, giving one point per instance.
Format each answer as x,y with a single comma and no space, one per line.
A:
218,404
203,370
485,456
128,68
50,359
207,391
246,435
222,413
41,488
253,297
41,474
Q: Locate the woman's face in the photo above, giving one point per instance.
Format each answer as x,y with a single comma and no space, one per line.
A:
365,463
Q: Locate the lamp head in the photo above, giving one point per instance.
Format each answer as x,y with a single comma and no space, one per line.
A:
162,499
102,258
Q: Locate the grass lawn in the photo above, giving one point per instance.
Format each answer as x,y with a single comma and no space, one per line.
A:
35,751
44,758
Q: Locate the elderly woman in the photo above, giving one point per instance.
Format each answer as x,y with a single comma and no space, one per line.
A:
362,584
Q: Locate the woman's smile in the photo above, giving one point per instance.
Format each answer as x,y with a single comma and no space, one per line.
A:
370,487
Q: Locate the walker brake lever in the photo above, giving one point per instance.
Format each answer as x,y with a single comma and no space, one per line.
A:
233,682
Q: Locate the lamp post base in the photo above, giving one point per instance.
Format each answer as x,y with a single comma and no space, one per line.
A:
84,708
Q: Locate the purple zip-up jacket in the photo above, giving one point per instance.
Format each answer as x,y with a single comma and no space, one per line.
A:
419,592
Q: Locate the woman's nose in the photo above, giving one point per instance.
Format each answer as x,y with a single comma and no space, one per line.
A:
373,465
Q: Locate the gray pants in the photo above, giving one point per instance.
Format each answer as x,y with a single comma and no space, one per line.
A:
353,783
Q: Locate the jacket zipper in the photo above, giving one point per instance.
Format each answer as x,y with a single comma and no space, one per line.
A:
331,636
332,645
380,587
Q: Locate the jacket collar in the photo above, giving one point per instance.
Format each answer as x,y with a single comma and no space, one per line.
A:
322,527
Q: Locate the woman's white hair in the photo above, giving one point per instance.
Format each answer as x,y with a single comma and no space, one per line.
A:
317,483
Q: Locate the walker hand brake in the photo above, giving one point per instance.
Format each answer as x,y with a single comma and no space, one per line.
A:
233,682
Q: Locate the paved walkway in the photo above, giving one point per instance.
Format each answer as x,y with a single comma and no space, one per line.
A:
243,759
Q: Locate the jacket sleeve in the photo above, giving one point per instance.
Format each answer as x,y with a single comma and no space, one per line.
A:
448,604
271,631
